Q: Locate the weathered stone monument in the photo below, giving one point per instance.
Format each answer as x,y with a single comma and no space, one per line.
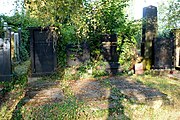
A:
16,47
109,52
163,53
77,54
149,34
177,48
5,55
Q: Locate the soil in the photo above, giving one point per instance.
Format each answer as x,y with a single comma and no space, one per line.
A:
41,92
94,92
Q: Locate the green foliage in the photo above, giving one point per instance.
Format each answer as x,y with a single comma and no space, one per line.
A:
88,21
19,78
127,45
107,17
70,108
99,69
103,17
112,15
86,70
168,16
7,86
24,21
166,34
68,33
53,12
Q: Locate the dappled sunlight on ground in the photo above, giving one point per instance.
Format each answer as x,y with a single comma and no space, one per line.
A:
120,97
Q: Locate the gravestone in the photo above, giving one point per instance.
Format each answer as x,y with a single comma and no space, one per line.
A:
163,53
109,52
177,47
149,34
77,54
43,51
16,46
20,36
5,60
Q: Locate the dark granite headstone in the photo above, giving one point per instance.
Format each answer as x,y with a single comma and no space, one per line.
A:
109,52
43,51
5,60
163,53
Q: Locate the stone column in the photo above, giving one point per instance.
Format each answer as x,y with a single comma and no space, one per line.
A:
149,34
20,42
16,46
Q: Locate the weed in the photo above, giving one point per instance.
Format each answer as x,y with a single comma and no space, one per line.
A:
69,109
167,111
13,90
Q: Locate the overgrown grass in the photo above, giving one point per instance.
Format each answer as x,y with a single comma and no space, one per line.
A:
68,109
164,84
72,108
156,111
13,90
84,71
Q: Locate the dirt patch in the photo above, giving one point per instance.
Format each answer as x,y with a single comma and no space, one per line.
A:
91,91
135,90
39,92
94,91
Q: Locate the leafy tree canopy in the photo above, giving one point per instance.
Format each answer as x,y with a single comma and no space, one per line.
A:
169,17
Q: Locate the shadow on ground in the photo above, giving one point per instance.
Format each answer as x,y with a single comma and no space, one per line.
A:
39,92
107,93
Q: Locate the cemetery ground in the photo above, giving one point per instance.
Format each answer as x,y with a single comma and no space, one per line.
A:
137,97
